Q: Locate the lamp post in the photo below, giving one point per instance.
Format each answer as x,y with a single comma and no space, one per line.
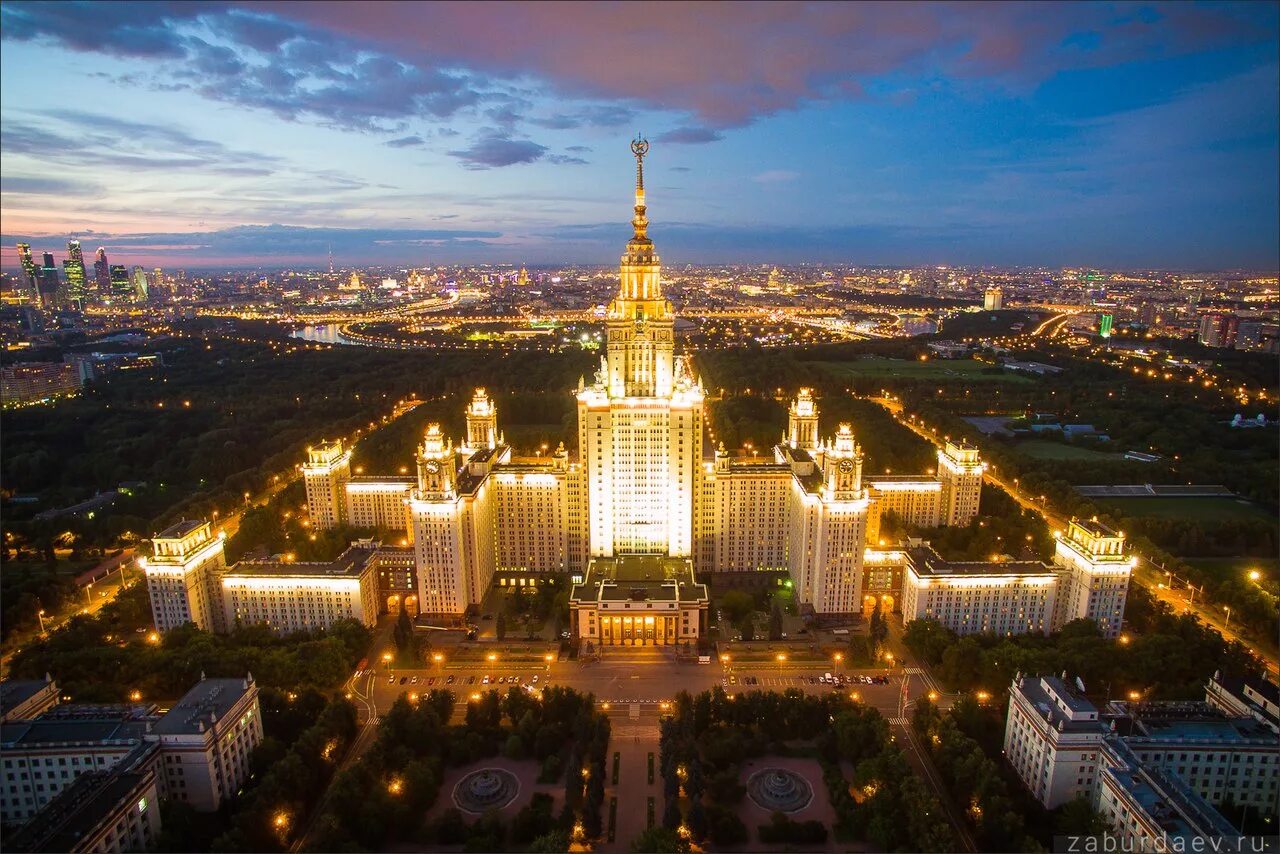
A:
1227,608
40,617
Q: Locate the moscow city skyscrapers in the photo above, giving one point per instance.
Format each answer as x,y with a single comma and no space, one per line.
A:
102,271
73,269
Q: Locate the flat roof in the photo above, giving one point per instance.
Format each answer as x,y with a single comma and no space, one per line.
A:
639,578
1098,529
207,701
350,564
1048,693
927,562
15,692
178,530
78,810
46,732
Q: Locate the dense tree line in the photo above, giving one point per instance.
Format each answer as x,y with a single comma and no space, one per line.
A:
994,814
1163,655
100,658
381,799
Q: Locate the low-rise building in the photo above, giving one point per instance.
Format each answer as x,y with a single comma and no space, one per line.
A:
971,597
291,596
639,600
23,699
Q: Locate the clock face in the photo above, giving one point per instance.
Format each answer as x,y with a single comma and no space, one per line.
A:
846,465
433,466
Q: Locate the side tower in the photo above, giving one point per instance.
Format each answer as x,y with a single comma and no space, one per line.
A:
183,577
960,471
1094,576
326,472
828,527
435,514
802,421
482,422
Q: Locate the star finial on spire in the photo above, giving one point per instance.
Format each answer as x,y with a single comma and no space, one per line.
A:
640,147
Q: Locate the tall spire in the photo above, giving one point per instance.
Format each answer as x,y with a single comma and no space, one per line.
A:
640,147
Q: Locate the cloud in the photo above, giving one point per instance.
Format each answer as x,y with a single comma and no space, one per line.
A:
775,176
268,242
690,136
411,141
598,115
565,160
494,149
45,186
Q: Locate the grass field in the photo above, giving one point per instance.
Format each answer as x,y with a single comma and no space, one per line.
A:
933,369
1207,509
1041,449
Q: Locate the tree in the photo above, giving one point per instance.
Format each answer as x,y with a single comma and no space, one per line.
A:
737,604
878,630
660,840
775,622
555,842
500,629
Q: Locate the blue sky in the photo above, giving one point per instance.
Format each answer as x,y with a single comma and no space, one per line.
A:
1109,135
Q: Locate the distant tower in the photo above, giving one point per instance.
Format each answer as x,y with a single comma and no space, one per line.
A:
482,422
993,299
842,465
802,423
523,279
121,288
52,294
29,271
326,472
74,269
330,259
102,272
184,578
960,470
141,288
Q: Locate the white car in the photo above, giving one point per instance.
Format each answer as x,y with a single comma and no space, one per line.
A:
534,680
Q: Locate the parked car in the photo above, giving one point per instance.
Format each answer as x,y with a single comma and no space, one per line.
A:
449,681
534,680
485,680
404,679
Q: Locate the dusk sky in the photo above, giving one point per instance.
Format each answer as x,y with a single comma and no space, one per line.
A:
201,134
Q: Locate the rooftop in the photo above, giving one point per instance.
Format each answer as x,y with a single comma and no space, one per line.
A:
34,734
207,702
640,578
927,562
15,692
78,810
350,564
178,530
1096,528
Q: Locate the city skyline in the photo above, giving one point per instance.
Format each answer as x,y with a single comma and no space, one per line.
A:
259,136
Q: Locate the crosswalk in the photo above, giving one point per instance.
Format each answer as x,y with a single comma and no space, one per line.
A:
899,722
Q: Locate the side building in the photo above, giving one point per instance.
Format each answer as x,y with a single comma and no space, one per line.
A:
183,573
290,596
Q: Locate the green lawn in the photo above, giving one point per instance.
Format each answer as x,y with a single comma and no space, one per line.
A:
1042,449
1206,509
932,369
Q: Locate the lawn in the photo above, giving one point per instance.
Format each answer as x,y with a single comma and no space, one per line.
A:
932,369
1041,449
1204,509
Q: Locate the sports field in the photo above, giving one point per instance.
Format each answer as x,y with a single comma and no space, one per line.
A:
1205,509
1041,449
932,369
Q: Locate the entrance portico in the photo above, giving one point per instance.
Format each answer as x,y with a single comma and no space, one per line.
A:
639,600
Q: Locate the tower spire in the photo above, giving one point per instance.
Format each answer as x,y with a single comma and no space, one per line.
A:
640,147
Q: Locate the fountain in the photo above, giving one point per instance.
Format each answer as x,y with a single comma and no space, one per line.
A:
488,788
777,789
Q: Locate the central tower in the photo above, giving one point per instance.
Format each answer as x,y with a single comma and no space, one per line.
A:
640,421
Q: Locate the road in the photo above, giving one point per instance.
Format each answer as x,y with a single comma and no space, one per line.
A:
1148,574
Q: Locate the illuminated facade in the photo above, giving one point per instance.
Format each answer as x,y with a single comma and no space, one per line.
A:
290,596
972,597
644,482
1095,575
638,600
182,576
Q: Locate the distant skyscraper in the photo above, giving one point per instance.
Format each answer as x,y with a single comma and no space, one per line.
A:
28,270
51,293
330,259
102,272
74,269
993,299
140,286
121,290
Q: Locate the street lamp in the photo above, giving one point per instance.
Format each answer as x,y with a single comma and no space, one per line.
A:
1254,575
1228,610
839,657
386,660
438,659
40,617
